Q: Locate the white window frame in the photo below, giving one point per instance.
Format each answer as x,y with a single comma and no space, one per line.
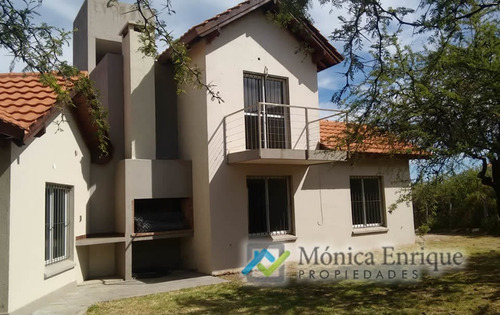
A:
52,204
289,207
381,203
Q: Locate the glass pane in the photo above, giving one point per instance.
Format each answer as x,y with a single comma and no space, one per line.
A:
252,89
276,133
274,91
47,223
257,221
252,131
372,200
58,235
278,204
357,201
56,217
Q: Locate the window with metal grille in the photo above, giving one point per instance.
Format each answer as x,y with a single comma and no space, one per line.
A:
274,120
366,202
57,204
268,206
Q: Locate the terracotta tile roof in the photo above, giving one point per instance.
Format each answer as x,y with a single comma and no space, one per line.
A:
222,14
332,136
26,105
23,99
326,54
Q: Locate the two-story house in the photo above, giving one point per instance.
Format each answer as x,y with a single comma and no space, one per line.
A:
191,180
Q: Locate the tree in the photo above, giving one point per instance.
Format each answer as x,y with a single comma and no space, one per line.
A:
455,202
155,30
443,98
446,100
39,48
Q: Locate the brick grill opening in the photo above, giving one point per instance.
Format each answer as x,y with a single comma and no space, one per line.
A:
159,215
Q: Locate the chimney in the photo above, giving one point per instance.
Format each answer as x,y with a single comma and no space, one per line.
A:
139,97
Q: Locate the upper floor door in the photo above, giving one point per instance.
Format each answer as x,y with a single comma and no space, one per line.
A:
274,119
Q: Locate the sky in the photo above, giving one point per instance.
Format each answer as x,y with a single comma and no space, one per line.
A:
60,13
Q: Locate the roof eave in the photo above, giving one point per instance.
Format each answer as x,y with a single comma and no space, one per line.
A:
12,132
325,54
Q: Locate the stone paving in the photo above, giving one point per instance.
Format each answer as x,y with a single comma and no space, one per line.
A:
77,300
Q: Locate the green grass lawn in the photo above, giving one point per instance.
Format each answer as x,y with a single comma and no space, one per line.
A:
474,289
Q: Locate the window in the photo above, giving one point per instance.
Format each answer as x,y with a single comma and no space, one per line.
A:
274,120
268,206
57,223
366,202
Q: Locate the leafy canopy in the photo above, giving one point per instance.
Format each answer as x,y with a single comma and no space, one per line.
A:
443,96
39,47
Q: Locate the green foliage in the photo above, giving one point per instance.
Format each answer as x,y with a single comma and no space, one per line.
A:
290,10
443,98
454,202
39,47
291,15
154,31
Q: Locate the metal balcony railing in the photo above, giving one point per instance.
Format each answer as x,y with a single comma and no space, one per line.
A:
276,126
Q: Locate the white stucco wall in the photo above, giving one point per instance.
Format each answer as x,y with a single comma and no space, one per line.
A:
139,99
94,21
320,194
193,141
322,205
321,208
59,156
252,44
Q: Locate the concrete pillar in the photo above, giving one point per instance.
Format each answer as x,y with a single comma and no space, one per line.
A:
139,98
98,31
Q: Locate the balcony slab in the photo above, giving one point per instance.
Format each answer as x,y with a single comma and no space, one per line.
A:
285,156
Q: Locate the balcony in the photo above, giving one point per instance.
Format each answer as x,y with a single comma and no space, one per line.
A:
268,133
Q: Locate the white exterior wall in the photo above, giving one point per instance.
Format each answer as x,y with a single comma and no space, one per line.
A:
139,100
253,44
322,205
59,156
321,208
193,140
96,21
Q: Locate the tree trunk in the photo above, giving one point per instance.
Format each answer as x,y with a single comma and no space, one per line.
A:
495,170
494,180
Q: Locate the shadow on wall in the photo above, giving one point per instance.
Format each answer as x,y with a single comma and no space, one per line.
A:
216,150
139,118
229,208
5,161
336,175
17,152
166,112
272,43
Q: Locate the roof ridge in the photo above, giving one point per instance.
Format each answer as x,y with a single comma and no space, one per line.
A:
10,74
17,74
324,56
215,17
